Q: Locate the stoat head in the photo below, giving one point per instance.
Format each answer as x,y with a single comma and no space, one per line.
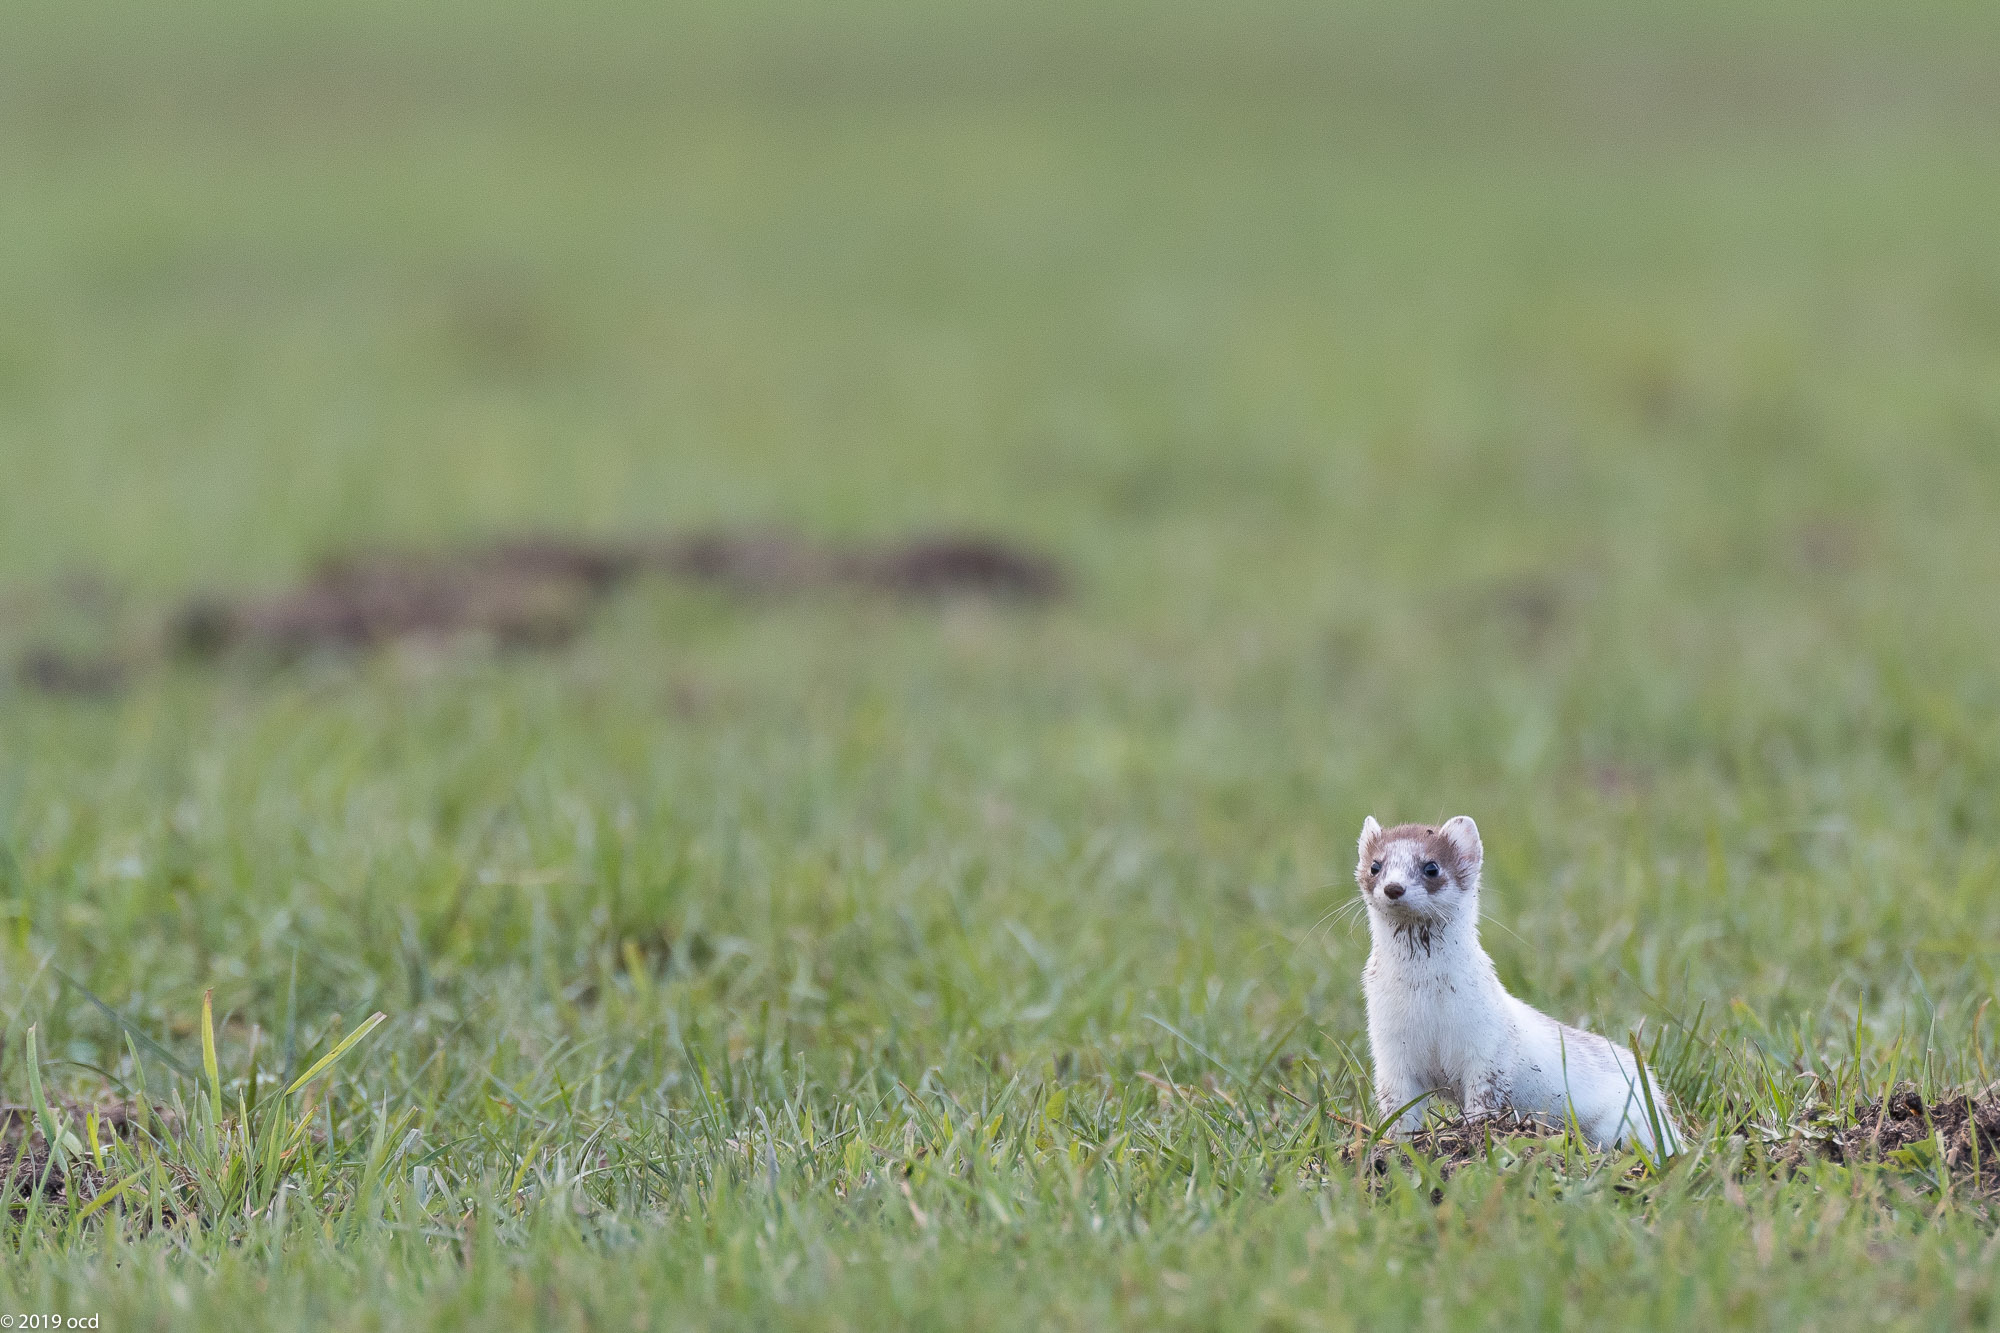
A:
1414,875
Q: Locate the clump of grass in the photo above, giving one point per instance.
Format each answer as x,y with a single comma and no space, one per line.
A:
193,1159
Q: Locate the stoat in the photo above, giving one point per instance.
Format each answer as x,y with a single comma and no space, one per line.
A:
1440,1021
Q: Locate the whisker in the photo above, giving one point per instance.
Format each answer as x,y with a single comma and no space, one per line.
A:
1485,920
1325,919
1346,914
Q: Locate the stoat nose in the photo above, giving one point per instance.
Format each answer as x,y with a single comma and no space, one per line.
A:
1392,890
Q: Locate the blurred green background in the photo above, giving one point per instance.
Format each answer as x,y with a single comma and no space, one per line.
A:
1184,290
1575,415
1583,416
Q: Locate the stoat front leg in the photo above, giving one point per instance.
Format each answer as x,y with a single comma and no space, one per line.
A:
1395,1089
1488,1093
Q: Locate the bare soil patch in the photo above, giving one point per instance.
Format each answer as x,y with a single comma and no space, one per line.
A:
52,671
1456,1143
1958,1132
534,592
25,1161
25,1169
1964,1127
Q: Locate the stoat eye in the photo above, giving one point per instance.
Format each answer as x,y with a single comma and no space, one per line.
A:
1430,870
1374,867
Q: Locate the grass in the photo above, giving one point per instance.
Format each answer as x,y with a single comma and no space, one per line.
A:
1582,420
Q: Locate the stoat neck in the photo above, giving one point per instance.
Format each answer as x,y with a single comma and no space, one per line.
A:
1444,950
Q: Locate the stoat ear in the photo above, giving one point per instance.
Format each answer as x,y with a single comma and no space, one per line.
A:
1463,835
1370,830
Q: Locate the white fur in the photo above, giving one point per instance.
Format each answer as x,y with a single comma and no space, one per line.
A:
1440,1021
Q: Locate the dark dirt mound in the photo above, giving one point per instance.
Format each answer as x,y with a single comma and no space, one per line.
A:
535,595
74,1178
55,672
946,566
1458,1142
1968,1124
24,1170
540,591
25,1166
1901,1130
941,565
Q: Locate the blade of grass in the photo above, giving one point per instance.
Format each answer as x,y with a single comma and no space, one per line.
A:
325,1061
51,1134
106,1196
292,1019
208,1062
1663,1146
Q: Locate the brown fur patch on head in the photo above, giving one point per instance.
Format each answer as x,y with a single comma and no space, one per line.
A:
1434,844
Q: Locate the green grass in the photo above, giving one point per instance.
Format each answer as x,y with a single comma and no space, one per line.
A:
1584,420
